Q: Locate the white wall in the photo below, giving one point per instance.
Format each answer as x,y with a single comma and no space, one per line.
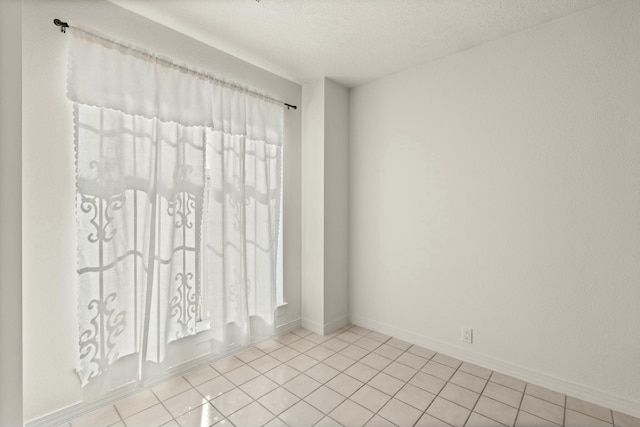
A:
499,188
10,213
325,201
336,204
50,331
313,206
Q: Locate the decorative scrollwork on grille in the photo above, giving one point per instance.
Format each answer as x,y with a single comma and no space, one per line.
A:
98,343
184,304
103,214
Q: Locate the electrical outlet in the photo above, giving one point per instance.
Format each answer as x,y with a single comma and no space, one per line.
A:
467,335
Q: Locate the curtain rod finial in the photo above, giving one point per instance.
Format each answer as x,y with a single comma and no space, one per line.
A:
63,25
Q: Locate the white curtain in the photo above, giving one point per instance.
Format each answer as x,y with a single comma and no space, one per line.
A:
178,206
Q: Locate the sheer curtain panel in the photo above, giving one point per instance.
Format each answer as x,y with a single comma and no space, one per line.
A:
178,209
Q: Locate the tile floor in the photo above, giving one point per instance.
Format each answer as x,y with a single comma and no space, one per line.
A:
353,377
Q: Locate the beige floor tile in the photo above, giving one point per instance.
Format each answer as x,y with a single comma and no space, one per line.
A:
339,362
400,413
269,345
278,400
136,403
170,388
101,417
430,421
318,339
375,361
415,396
476,370
301,414
320,353
202,416
302,345
543,409
281,374
388,351
349,337
495,410
258,386
276,422
508,381
438,370
477,420
118,424
459,395
264,363
590,409
284,354
469,381
360,330
545,394
250,354
624,420
328,422
378,421
354,352
202,374
321,372
351,414
172,423
386,383
302,362
503,394
324,399
447,360
361,372
400,371
412,360
367,343
302,385
427,382
215,387
370,398
448,412
399,344
184,402
378,336
252,415
227,364
577,419
335,344
525,419
241,375
344,384
151,417
302,332
421,351
231,401
287,339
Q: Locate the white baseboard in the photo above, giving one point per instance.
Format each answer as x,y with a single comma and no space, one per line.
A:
327,328
288,327
560,385
335,324
79,409
315,327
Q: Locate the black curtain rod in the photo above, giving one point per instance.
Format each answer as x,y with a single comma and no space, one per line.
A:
63,28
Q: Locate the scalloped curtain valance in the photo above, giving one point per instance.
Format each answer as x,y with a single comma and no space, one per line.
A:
111,75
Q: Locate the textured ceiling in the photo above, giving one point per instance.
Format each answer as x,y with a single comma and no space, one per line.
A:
350,41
